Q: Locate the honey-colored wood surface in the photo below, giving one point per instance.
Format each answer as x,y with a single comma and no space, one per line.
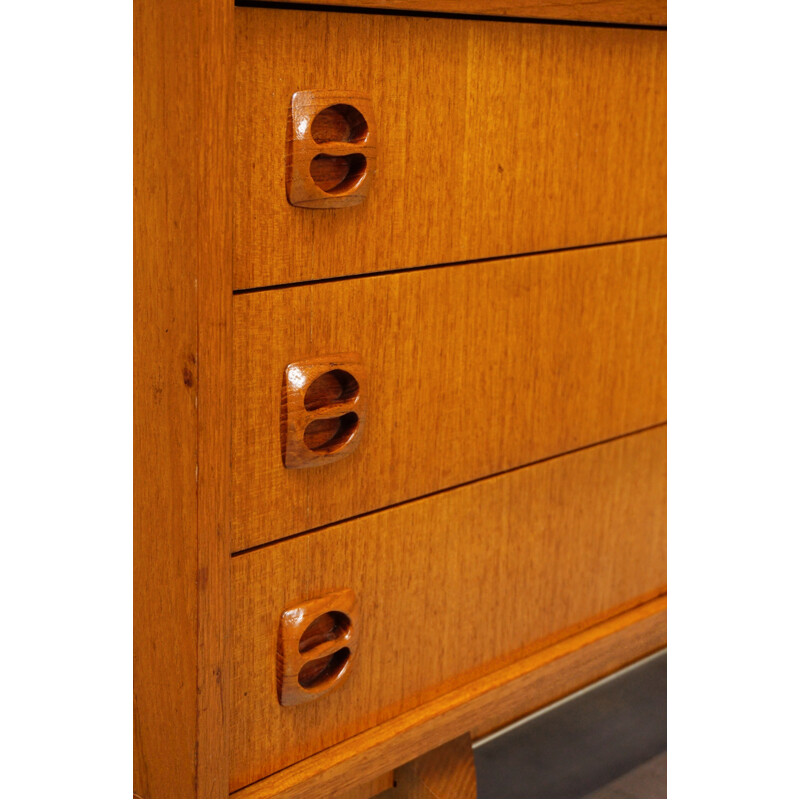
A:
633,12
323,410
525,685
331,145
494,138
316,646
372,788
449,587
445,771
472,370
182,308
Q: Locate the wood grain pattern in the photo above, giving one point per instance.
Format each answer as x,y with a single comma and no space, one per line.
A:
369,789
182,343
316,645
472,370
632,12
445,771
184,207
330,149
495,138
527,684
323,409
450,587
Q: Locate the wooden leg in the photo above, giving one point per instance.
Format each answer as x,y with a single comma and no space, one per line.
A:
370,789
446,772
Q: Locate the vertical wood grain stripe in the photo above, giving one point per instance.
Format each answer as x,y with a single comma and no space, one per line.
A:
182,353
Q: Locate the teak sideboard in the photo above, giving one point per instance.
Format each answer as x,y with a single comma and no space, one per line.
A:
399,381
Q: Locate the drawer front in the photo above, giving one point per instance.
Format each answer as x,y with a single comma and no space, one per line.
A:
493,137
468,371
448,588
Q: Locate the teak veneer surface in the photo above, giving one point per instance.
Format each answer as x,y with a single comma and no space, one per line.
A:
182,291
492,699
442,90
450,587
495,138
470,370
632,12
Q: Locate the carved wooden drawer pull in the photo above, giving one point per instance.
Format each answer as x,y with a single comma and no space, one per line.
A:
331,146
322,409
316,646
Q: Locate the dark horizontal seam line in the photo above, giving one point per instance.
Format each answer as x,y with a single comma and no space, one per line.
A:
448,489
401,270
408,12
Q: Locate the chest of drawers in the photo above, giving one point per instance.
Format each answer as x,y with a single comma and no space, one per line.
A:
400,382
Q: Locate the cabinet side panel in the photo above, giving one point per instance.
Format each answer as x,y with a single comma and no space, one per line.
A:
165,412
214,55
181,303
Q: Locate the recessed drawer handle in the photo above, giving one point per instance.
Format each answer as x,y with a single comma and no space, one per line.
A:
331,149
322,409
316,646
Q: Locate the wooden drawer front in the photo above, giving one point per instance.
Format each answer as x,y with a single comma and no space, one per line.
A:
494,138
470,370
449,588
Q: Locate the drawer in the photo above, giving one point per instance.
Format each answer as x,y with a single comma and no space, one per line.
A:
448,588
469,371
493,137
